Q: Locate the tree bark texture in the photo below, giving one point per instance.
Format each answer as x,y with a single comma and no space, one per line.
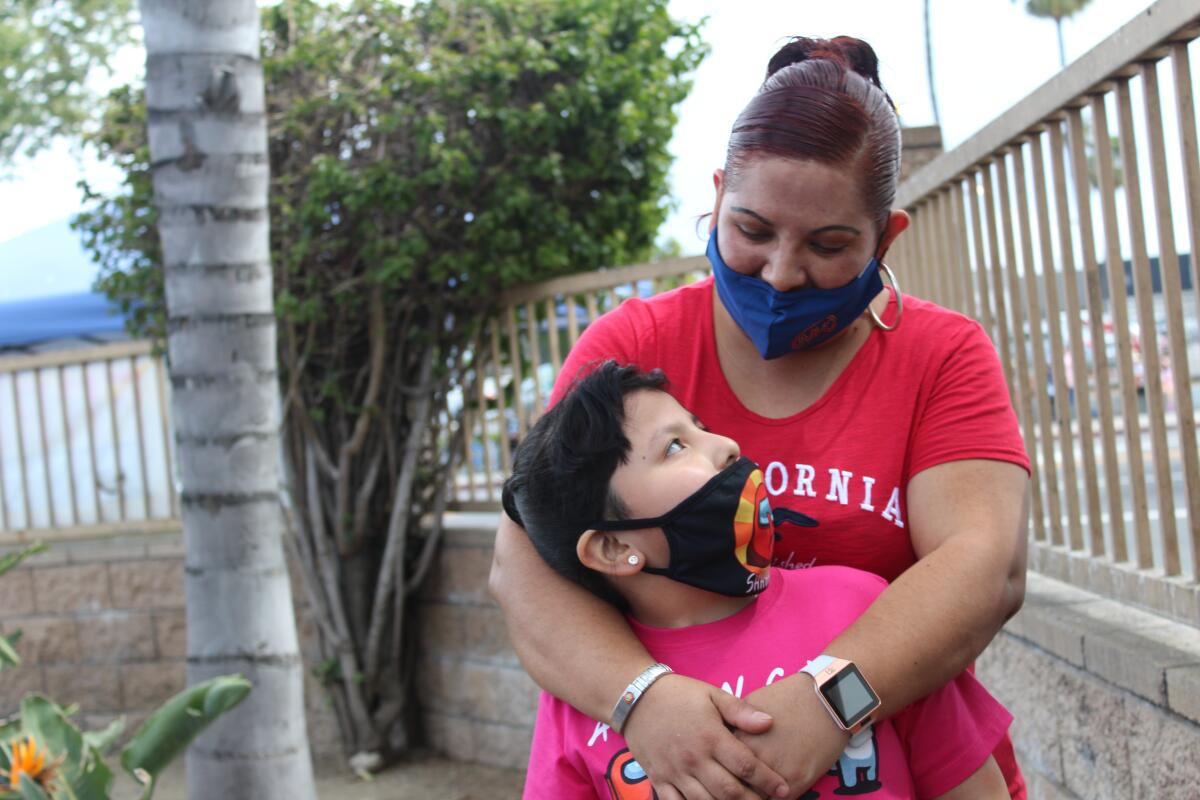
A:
207,132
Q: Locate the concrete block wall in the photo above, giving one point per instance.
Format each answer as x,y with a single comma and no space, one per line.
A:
102,625
476,702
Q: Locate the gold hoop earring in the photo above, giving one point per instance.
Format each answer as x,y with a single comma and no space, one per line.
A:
899,302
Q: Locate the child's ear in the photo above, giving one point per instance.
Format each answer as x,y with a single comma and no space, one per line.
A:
604,551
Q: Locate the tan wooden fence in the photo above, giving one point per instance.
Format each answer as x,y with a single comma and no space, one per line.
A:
85,448
1060,228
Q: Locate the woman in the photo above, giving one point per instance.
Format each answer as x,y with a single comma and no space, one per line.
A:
884,417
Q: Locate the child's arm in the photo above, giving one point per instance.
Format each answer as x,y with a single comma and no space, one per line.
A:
986,784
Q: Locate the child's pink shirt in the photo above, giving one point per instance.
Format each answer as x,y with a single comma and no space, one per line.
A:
923,751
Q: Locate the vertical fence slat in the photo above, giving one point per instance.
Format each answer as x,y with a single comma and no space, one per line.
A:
930,266
1041,367
514,361
1135,462
995,271
535,360
1172,289
979,270
1115,268
947,265
67,445
1190,158
572,323
3,491
1070,486
1185,102
552,333
964,255
135,379
160,382
1143,291
501,402
91,435
118,477
1095,303
1026,385
22,462
1095,299
1079,374
45,442
485,433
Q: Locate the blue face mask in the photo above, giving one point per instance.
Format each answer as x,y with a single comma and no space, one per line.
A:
782,322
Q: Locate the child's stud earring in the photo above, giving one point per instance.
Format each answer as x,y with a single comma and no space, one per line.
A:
633,560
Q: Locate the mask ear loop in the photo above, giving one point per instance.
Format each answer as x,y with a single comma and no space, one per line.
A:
899,302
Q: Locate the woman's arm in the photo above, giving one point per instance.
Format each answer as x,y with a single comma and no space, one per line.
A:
580,649
967,520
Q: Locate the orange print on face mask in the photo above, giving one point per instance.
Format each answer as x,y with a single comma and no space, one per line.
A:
753,528
627,780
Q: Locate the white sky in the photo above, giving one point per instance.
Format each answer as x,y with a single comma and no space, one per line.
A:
988,54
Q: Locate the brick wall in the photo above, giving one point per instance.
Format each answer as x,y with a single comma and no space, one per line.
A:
102,625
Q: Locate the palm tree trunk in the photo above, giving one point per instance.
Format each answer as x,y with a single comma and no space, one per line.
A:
207,130
937,118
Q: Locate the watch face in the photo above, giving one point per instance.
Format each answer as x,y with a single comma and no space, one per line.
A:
849,696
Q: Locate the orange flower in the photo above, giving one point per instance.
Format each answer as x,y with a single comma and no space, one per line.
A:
26,761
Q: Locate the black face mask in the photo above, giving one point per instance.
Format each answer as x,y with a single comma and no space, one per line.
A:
721,537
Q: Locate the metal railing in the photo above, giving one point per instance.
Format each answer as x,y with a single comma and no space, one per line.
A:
1060,228
85,444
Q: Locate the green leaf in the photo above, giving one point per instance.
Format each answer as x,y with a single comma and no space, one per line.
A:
103,740
170,729
10,560
8,655
29,790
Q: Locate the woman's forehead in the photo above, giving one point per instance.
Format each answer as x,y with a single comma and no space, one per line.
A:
781,186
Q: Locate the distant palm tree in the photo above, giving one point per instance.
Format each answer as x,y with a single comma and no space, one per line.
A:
1057,10
937,118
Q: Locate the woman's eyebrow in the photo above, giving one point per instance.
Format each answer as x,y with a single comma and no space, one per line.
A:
754,214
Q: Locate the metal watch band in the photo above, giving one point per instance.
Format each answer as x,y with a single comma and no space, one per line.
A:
633,692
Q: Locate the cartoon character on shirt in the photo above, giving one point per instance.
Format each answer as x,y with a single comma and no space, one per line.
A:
626,779
857,768
857,771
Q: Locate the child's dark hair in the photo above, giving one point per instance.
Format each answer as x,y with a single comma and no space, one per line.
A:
562,470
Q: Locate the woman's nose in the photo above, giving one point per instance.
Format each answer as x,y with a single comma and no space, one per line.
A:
784,273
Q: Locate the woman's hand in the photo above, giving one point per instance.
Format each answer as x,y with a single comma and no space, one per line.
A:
678,734
803,743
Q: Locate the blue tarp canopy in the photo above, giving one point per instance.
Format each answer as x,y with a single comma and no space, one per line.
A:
80,315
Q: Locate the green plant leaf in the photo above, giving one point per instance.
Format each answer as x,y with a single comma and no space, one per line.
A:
10,560
8,655
29,790
103,740
171,728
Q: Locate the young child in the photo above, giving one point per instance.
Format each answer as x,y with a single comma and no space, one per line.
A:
623,491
